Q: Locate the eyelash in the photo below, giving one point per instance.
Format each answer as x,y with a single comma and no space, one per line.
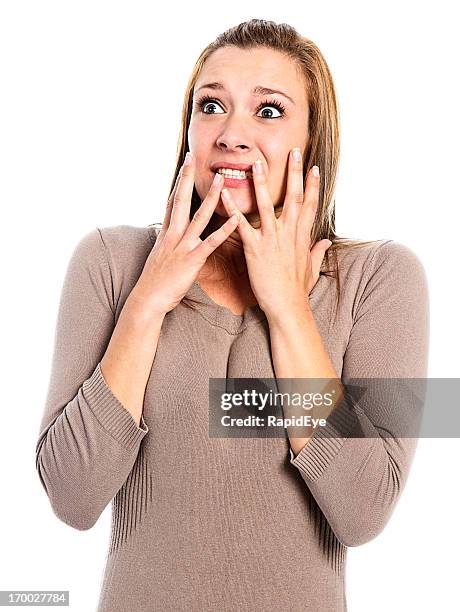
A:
280,108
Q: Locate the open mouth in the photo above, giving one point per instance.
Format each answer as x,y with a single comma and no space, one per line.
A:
239,175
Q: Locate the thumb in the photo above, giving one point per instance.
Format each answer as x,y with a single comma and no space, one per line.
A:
317,255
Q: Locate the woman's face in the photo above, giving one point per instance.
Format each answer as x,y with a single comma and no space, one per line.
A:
238,125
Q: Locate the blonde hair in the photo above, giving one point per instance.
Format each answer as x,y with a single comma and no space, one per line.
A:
323,147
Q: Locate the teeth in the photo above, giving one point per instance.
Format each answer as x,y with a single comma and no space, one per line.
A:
238,174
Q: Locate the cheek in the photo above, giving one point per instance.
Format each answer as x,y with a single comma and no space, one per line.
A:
201,148
277,182
195,138
191,136
203,179
200,135
277,177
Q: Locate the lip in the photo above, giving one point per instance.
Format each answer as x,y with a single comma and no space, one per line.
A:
236,183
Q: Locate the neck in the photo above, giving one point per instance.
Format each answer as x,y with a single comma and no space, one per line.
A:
227,261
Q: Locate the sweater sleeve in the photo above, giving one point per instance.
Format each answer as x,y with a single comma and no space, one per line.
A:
87,441
355,480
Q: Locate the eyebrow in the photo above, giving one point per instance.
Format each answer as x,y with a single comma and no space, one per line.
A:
258,90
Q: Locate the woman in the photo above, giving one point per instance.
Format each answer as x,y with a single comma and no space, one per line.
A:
148,317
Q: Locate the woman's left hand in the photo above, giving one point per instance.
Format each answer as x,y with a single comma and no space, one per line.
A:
282,266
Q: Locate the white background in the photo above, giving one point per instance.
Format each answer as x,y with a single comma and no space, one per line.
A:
91,95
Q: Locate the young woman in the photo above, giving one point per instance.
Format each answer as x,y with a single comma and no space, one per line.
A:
148,316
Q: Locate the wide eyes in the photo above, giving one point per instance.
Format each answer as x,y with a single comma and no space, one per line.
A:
213,105
207,105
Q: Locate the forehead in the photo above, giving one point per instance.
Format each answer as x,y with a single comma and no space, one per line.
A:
244,68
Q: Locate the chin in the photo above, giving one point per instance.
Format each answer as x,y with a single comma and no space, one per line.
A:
244,204
243,208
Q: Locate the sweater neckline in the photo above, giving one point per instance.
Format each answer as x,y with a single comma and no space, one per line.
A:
220,315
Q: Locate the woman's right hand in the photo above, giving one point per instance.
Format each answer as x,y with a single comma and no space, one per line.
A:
179,253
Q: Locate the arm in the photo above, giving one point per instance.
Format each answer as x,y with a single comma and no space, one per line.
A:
299,353
92,424
357,481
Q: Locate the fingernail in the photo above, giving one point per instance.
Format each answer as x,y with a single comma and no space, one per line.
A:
315,171
224,193
218,179
330,243
297,154
257,166
188,159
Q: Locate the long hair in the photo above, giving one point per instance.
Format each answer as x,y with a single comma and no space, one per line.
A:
323,147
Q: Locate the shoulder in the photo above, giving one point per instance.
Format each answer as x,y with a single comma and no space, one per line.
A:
122,246
114,256
382,257
391,252
123,237
114,247
397,264
382,274
126,250
115,239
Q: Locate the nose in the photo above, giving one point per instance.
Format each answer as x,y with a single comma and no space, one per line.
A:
229,144
233,137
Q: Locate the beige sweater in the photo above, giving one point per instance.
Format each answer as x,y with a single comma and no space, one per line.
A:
235,524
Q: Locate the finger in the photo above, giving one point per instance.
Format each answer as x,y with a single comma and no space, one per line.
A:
169,207
294,191
264,201
245,229
317,254
182,200
201,217
309,207
209,244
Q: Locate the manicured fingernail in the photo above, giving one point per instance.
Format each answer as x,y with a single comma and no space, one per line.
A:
297,154
218,179
257,166
224,193
188,159
315,171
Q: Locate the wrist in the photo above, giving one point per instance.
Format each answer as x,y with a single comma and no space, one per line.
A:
145,305
294,310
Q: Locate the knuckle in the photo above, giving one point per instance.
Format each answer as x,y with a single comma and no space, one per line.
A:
297,196
198,217
172,233
212,241
186,171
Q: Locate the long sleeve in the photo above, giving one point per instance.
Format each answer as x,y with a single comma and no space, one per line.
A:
88,441
357,481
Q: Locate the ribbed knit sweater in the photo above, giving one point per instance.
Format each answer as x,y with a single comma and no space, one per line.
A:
226,524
